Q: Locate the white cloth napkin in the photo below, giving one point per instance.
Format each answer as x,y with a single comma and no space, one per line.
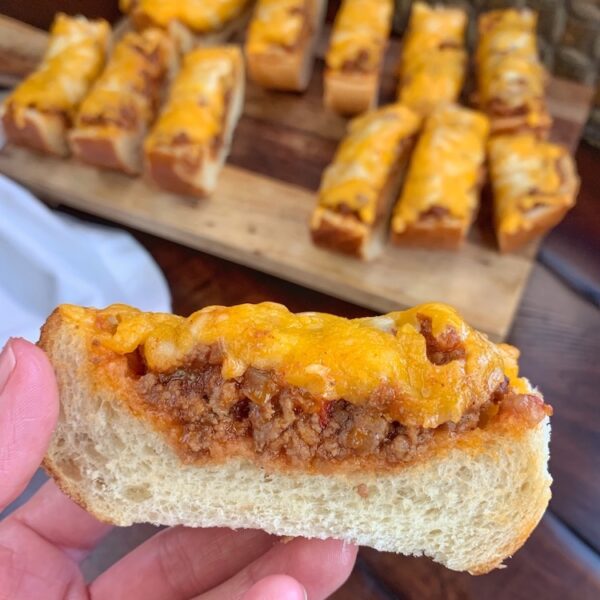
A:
47,258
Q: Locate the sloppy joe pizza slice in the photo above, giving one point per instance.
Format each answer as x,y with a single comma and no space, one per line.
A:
39,112
355,56
281,40
114,117
535,183
358,187
440,195
409,432
433,59
511,80
189,142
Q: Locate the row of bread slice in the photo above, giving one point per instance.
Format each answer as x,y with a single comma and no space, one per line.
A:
439,166
105,106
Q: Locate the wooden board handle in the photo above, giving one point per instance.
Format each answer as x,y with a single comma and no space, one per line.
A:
21,47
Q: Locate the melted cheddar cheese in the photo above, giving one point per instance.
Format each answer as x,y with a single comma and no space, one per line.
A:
445,168
330,357
359,35
433,28
129,85
278,23
364,160
512,19
197,103
511,79
526,174
433,61
428,83
199,15
72,61
506,41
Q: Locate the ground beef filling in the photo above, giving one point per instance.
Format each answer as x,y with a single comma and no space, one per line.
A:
282,421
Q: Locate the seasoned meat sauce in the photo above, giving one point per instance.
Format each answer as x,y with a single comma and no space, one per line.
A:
286,422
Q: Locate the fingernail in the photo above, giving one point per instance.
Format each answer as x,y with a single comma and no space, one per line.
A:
7,364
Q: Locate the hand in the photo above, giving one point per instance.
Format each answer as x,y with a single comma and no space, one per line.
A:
43,542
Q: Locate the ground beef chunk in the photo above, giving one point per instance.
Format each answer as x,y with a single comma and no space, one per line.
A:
526,407
361,62
444,348
435,213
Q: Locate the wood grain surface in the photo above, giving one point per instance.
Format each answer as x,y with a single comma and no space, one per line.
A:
260,211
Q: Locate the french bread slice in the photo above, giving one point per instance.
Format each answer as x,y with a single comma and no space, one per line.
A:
288,69
469,506
191,168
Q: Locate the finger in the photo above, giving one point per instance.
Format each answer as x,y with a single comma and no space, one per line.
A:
38,542
28,413
180,562
61,522
321,566
31,567
277,587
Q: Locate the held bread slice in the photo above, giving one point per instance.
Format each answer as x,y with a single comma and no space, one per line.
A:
468,506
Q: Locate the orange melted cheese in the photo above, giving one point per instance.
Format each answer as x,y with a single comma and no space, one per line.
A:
513,19
510,77
199,15
72,61
328,356
197,103
359,35
433,27
278,23
138,62
433,62
445,168
525,175
363,162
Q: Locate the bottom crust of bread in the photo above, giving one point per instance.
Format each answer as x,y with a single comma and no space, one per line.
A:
281,69
434,235
546,218
46,132
349,93
507,124
170,171
342,233
468,507
95,147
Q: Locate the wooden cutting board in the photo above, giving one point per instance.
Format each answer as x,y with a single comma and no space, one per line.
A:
259,214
